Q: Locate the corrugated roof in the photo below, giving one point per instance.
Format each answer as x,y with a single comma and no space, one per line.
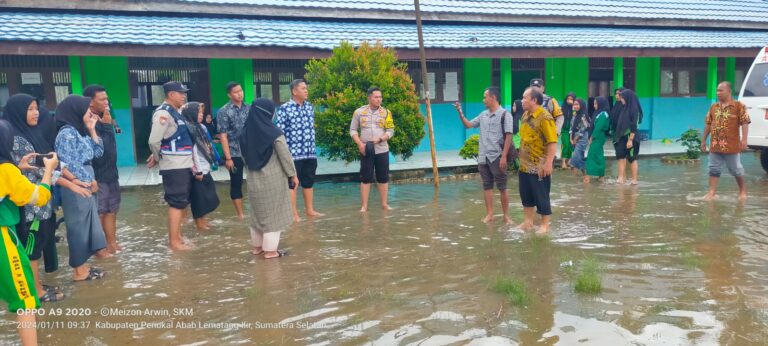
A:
720,10
239,32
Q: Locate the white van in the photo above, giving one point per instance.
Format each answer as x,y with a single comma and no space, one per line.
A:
754,94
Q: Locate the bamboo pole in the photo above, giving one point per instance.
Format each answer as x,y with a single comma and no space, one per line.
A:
425,82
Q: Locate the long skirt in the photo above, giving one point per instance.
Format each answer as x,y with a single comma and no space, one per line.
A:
596,158
566,151
577,161
84,233
204,198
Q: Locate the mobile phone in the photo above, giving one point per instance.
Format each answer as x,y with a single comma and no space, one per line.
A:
39,159
291,185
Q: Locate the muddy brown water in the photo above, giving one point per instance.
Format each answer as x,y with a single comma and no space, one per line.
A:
675,270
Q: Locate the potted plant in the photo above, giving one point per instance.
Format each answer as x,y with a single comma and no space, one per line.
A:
691,140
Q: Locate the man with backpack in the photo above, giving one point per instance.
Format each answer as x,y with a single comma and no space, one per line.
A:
496,149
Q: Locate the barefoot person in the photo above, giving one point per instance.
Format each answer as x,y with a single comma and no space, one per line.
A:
625,136
270,169
297,120
105,167
203,197
171,144
538,143
371,128
230,120
726,120
600,132
17,288
496,128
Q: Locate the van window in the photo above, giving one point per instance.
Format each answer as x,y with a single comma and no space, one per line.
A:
757,84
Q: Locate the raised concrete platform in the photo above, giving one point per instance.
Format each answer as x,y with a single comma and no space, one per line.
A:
140,175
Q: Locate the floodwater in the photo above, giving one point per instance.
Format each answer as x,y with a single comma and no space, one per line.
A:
676,270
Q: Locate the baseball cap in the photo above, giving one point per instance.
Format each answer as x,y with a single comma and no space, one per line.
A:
174,86
537,82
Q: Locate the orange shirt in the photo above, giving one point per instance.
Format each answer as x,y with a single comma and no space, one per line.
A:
725,121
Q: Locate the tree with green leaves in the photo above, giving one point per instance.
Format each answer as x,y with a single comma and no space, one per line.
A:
338,86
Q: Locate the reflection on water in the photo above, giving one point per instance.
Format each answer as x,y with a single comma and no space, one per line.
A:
675,269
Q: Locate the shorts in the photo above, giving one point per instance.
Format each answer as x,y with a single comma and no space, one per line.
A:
623,153
490,172
177,184
17,286
535,192
39,239
374,162
236,179
306,170
732,161
109,197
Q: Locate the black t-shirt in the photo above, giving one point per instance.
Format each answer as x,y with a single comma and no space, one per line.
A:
105,167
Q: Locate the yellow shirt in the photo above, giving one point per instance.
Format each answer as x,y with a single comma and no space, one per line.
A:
537,129
16,191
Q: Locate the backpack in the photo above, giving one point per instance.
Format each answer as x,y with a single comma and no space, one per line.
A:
512,154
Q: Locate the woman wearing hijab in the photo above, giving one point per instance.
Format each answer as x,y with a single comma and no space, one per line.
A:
77,144
579,133
269,163
625,134
32,136
566,150
600,132
17,288
204,199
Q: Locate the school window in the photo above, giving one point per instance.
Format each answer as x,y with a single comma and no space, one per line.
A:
4,92
40,76
683,77
740,72
272,78
147,76
62,85
443,79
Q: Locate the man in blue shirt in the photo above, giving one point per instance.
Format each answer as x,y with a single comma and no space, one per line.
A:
297,120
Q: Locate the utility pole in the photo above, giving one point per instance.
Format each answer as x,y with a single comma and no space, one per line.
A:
425,82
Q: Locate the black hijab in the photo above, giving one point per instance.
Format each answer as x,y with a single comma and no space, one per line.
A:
71,111
258,137
580,116
189,111
617,105
47,125
602,106
516,115
629,115
16,114
6,141
568,109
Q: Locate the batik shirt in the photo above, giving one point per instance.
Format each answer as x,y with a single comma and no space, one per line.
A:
76,152
21,147
231,120
725,123
298,125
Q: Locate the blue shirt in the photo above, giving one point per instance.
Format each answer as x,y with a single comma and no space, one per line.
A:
76,152
298,125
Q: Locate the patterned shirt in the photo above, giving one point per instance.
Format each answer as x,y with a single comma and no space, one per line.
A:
298,124
725,122
491,136
21,147
231,120
76,152
537,130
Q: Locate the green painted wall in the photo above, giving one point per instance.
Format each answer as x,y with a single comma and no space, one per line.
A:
76,74
618,72
112,73
648,77
712,78
506,83
223,71
477,77
730,73
564,75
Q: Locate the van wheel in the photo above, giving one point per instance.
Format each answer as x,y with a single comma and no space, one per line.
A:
764,159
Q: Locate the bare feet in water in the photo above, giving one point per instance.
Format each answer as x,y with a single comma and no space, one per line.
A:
103,253
296,218
543,229
743,197
507,220
709,196
314,213
364,209
525,226
386,207
180,246
488,218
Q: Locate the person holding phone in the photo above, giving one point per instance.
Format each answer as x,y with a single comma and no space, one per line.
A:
105,167
37,225
17,288
77,144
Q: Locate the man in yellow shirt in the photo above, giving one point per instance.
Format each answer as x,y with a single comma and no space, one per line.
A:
538,143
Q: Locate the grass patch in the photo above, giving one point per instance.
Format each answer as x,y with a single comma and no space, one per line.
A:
589,279
691,260
513,289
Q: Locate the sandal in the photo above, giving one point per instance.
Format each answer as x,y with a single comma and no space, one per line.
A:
280,253
93,274
51,295
48,288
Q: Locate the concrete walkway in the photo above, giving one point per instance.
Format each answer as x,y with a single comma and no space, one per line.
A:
140,175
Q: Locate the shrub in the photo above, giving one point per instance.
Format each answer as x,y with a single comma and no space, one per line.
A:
691,140
471,148
338,86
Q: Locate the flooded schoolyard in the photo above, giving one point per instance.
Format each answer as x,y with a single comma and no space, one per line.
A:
674,270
